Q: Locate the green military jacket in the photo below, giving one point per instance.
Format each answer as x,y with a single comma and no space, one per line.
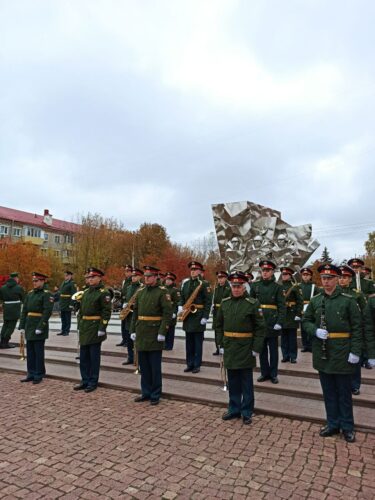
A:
94,314
66,290
203,300
269,293
359,296
367,285
151,317
125,284
342,315
130,291
294,303
308,292
174,293
36,311
369,326
236,316
12,295
220,293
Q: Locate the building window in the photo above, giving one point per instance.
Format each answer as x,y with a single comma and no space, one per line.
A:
4,230
57,253
17,232
33,232
46,236
57,239
44,251
68,238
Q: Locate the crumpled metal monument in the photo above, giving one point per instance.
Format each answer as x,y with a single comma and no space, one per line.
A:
247,233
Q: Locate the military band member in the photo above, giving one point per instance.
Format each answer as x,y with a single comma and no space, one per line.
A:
170,285
309,289
67,289
94,315
12,296
360,282
241,328
369,326
222,290
36,312
345,280
151,319
366,273
127,282
195,323
333,321
133,288
272,302
294,307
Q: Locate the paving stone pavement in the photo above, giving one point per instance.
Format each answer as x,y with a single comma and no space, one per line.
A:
57,443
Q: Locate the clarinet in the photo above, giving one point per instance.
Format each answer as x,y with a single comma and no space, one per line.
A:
323,325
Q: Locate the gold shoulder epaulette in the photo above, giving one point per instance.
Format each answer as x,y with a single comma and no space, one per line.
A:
162,287
347,295
226,298
251,300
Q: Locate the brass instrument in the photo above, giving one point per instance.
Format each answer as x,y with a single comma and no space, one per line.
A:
22,347
135,362
358,280
129,306
223,373
77,297
189,307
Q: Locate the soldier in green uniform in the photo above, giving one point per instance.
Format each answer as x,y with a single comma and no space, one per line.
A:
151,319
67,289
12,296
369,327
170,285
133,288
221,290
333,321
36,311
127,282
360,282
345,280
241,328
94,315
294,307
194,324
309,289
272,302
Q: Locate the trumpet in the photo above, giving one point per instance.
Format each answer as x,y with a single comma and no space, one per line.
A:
223,373
78,295
22,347
189,307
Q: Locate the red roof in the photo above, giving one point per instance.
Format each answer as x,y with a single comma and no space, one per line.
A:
37,220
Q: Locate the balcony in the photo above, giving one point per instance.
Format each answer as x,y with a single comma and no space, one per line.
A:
34,240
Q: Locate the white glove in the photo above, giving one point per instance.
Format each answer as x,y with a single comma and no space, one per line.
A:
277,327
173,315
124,305
179,310
321,333
22,332
221,350
353,358
161,338
101,334
371,362
38,332
255,354
132,336
297,318
203,321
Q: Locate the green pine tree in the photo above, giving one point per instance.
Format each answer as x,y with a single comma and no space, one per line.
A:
325,256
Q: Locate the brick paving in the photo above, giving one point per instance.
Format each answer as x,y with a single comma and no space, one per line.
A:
56,443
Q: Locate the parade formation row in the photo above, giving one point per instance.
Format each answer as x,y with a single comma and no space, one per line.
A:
337,325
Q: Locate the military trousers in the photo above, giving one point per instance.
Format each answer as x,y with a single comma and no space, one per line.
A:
151,378
269,357
337,393
241,392
35,359
130,345
169,338
194,349
66,321
289,343
356,377
124,332
7,329
89,364
306,341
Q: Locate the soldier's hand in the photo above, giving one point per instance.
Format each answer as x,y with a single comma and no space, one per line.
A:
221,350
173,315
180,309
133,336
321,333
101,333
277,327
204,321
297,318
38,332
161,338
353,358
371,362
124,305
255,354
22,331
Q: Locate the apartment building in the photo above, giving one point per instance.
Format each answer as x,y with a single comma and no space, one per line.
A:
45,231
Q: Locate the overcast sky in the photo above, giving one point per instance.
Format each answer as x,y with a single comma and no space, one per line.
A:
151,110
